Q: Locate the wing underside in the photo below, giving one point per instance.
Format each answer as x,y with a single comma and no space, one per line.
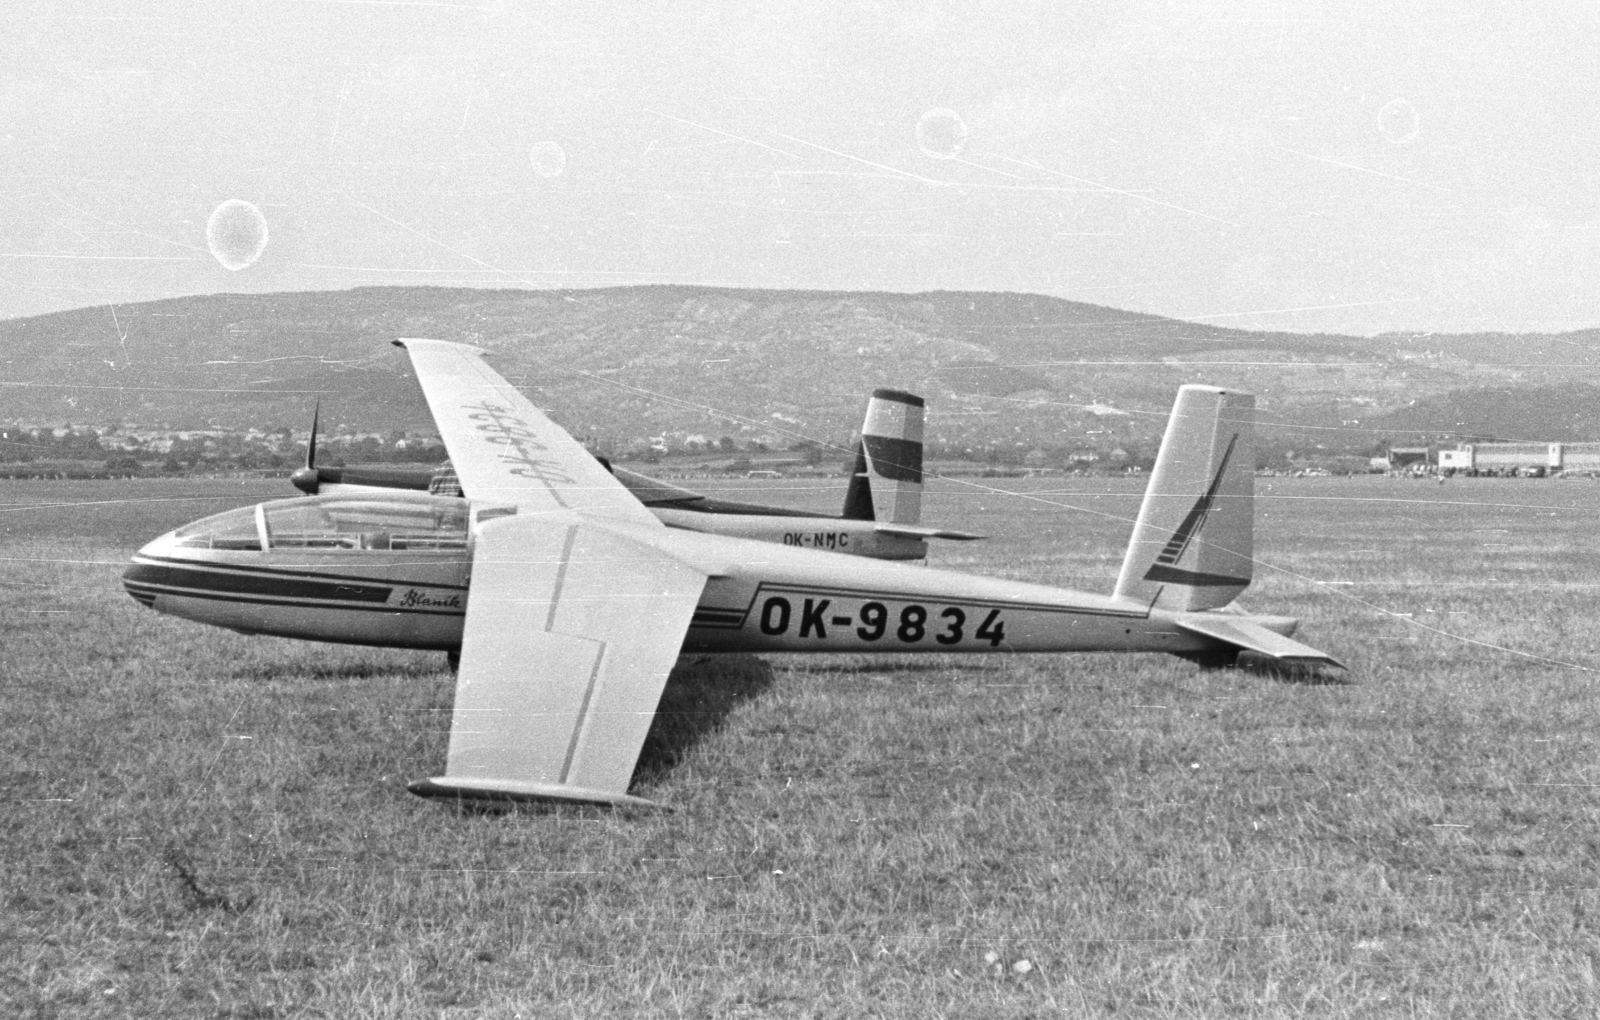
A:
576,609
571,630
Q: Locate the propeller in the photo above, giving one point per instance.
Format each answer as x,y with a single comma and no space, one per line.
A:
307,479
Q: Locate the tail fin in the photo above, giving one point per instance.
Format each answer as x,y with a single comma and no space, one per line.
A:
886,485
1192,546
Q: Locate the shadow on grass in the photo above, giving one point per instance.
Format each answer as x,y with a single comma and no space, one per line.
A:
901,664
699,695
321,671
1309,675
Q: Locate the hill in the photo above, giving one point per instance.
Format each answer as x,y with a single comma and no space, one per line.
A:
615,365
1556,413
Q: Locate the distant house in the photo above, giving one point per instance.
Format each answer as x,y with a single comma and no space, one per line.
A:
1406,458
1515,458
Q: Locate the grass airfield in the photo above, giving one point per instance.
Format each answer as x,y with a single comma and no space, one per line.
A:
203,824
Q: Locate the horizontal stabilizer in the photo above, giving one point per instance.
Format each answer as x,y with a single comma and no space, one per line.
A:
918,531
1243,633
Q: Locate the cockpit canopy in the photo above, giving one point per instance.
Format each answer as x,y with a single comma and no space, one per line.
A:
339,522
231,529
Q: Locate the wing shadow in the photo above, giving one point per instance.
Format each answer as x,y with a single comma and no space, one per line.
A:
317,672
1309,675
900,664
699,695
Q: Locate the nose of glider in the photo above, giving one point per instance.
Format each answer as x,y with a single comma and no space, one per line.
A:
147,571
141,573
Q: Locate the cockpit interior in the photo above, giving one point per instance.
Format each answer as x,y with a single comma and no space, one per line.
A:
334,523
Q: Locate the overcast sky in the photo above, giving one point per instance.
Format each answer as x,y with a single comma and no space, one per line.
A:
1339,166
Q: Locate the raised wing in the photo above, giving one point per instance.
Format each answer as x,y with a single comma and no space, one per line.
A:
504,449
571,630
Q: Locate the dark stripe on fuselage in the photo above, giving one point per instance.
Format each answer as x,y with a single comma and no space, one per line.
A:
731,619
147,596
206,579
301,572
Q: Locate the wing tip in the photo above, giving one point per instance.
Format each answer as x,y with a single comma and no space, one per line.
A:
509,791
405,343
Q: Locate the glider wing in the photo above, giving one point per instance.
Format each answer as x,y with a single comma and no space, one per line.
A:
504,449
571,630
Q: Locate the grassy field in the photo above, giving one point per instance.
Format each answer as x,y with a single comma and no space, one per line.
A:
203,824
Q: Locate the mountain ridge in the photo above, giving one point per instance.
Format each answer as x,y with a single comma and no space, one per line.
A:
619,364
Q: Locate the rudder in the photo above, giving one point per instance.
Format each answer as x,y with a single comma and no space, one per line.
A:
886,483
1192,547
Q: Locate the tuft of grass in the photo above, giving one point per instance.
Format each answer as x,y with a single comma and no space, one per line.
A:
207,824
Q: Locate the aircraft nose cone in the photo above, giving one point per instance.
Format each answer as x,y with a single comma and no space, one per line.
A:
136,580
305,479
144,573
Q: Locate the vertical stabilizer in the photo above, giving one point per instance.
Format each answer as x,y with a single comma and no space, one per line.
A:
858,497
1192,545
886,484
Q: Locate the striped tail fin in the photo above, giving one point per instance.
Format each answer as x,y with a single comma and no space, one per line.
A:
1192,546
886,484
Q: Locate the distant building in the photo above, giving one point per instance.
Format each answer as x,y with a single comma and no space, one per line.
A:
1406,458
1512,458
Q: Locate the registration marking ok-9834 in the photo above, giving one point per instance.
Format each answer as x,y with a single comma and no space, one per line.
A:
867,619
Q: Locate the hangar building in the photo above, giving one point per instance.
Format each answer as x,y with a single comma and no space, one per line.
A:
1513,457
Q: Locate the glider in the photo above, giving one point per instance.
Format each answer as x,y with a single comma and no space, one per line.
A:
569,601
882,505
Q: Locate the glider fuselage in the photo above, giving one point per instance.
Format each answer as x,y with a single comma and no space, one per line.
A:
394,570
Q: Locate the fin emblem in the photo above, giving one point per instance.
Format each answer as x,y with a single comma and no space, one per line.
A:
1162,569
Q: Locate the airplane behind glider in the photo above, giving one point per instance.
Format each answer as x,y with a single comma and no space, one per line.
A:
882,515
570,601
